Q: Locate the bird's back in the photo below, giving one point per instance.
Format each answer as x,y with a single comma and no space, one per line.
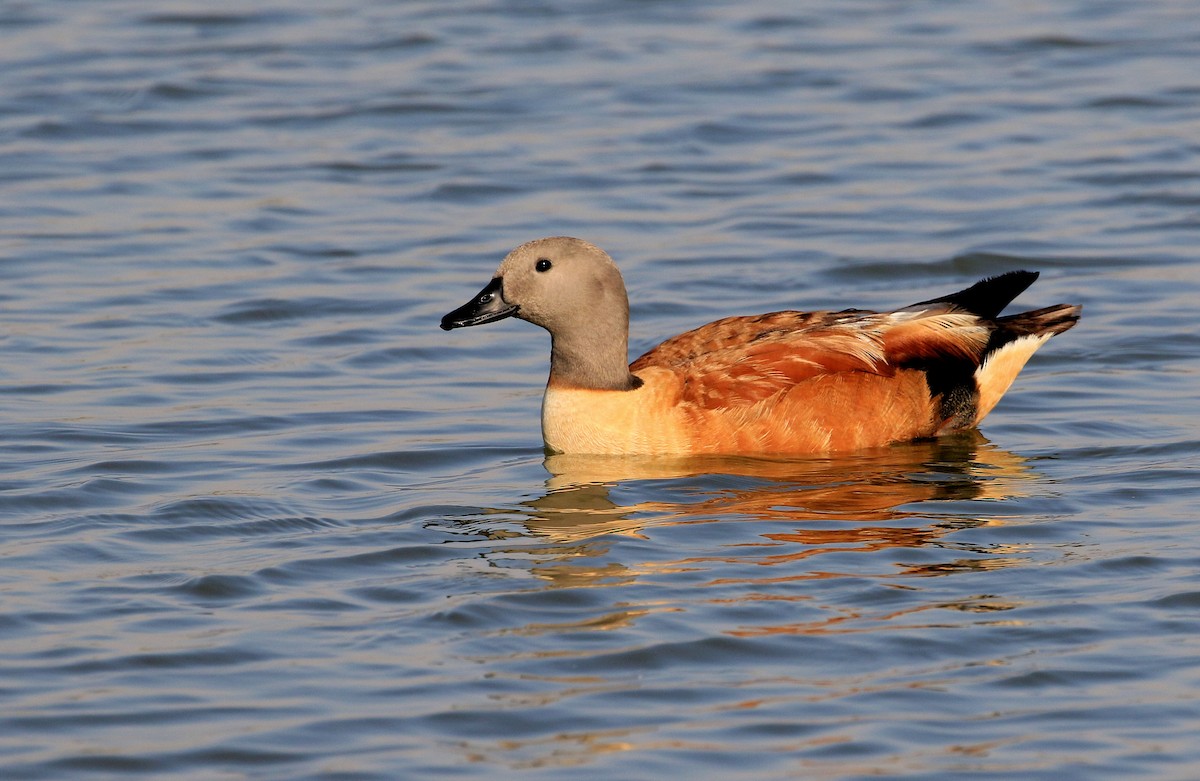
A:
809,382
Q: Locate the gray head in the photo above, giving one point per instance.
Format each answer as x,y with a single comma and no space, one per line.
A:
573,290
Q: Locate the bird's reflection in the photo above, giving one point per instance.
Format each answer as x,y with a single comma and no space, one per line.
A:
861,489
905,496
795,512
901,497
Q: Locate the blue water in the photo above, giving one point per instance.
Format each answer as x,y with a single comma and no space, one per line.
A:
261,519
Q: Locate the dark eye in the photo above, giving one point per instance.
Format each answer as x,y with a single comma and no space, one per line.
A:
543,264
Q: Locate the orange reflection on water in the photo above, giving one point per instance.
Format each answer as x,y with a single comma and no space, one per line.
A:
867,489
794,512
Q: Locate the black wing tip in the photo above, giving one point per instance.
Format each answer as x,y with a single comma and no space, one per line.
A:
1020,276
988,297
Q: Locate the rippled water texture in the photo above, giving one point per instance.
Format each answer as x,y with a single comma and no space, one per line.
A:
261,519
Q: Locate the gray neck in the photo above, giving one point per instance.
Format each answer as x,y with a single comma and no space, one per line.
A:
592,360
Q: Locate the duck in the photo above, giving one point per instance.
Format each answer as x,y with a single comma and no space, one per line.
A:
775,384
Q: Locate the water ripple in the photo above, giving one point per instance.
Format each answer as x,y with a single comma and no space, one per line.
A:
260,517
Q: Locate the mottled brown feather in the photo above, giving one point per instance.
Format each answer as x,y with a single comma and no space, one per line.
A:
739,361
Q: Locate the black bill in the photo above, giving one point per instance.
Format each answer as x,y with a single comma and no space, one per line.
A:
489,305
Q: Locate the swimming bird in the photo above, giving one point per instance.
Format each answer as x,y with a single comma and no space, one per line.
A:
772,384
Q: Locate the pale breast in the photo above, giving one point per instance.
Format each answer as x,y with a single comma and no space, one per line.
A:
645,420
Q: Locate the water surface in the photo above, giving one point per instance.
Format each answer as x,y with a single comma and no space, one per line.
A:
262,519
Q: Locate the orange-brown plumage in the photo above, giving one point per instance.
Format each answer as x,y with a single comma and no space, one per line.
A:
784,382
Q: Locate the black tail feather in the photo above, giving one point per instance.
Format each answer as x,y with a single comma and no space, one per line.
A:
952,383
1052,320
